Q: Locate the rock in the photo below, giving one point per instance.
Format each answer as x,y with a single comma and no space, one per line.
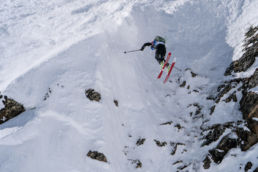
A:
248,58
138,163
177,162
183,167
116,103
195,91
160,144
214,134
224,91
93,95
253,80
206,163
252,30
11,109
227,143
140,141
47,95
198,110
212,109
167,123
174,147
217,155
248,103
253,113
183,84
210,97
256,170
192,73
178,126
97,156
248,166
222,148
231,97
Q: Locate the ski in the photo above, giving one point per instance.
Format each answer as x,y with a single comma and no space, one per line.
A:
169,72
162,69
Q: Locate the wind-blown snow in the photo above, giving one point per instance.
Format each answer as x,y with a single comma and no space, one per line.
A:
69,46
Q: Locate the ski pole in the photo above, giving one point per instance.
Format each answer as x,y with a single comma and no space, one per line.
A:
131,51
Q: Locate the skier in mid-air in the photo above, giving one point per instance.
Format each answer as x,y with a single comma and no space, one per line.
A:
157,44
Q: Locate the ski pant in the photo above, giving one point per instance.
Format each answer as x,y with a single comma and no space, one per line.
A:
160,53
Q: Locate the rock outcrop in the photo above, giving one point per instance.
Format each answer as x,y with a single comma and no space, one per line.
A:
93,95
251,52
242,137
97,156
11,109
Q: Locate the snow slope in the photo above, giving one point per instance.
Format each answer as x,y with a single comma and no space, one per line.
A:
69,46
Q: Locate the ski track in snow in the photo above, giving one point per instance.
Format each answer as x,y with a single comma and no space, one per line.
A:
59,132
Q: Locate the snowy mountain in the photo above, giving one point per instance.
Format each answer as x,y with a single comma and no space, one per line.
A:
56,56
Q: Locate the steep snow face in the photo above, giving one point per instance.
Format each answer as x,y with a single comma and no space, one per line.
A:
62,125
33,31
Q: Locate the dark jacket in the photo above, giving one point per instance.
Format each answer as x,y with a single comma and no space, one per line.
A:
160,50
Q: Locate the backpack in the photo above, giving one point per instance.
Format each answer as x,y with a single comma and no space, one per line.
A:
160,39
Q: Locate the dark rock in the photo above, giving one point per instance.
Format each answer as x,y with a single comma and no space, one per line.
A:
248,58
206,163
223,91
252,30
160,144
253,80
222,148
47,95
212,109
193,74
231,97
214,134
140,141
177,162
11,109
251,140
183,84
210,98
167,123
188,87
182,167
93,95
217,155
198,111
116,103
248,103
248,166
248,138
227,143
178,126
242,134
97,156
138,163
174,147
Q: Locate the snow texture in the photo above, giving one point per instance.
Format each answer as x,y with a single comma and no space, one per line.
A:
52,51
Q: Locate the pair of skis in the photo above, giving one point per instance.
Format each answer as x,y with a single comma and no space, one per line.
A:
170,70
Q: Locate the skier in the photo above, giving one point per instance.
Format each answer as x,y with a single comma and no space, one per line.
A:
159,45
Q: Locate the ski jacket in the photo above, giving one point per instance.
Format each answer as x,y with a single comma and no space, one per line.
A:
155,43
